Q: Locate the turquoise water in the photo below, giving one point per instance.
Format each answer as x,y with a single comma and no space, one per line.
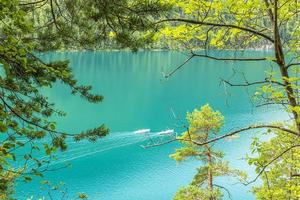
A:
136,97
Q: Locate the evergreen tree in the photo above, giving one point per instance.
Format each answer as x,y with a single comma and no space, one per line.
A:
203,125
27,27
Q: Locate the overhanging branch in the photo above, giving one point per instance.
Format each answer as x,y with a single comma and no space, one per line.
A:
271,161
192,55
31,3
199,143
292,64
250,128
228,59
178,67
246,84
191,21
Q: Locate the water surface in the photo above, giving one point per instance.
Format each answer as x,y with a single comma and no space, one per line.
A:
137,96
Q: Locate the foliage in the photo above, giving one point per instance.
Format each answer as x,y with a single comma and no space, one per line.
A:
228,24
26,128
253,24
193,192
232,24
203,125
24,111
89,24
278,161
29,26
56,191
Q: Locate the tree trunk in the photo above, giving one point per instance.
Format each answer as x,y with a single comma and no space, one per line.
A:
283,69
209,173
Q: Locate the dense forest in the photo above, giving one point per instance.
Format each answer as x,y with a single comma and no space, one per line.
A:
196,27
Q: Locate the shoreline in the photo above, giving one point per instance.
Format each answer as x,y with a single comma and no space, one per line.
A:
152,50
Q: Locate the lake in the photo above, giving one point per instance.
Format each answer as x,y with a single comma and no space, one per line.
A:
137,96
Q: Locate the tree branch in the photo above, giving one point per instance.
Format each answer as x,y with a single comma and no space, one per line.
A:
53,15
178,67
292,64
270,162
228,59
191,21
30,122
249,128
31,3
192,55
296,175
224,136
252,83
224,188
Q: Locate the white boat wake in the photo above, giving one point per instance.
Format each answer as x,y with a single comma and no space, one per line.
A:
115,140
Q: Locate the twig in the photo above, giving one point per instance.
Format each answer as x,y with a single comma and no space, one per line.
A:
270,162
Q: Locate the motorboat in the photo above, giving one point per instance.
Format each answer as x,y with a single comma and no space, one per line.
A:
142,131
166,132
